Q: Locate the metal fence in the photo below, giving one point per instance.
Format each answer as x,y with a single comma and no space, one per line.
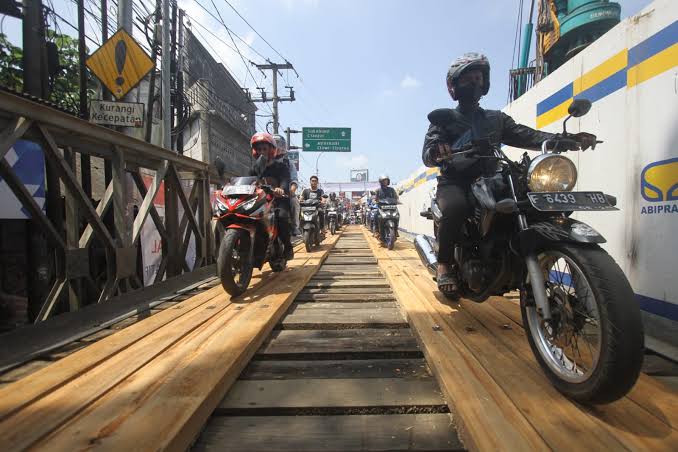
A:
63,138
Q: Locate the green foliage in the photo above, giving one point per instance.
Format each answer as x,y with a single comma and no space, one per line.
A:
11,73
64,84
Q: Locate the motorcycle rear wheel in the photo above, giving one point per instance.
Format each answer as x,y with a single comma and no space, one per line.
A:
592,351
233,268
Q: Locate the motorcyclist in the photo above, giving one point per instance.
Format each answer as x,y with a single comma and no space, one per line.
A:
276,173
384,191
334,203
281,144
468,79
314,192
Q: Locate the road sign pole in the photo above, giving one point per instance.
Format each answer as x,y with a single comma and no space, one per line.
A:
165,92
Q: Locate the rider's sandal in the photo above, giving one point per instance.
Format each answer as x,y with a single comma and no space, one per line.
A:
446,280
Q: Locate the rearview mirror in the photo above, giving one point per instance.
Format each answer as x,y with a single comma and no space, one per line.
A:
579,107
441,116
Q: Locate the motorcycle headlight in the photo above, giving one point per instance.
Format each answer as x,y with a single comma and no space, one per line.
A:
249,204
551,172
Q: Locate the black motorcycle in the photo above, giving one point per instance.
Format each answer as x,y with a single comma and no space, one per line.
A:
311,210
387,218
582,319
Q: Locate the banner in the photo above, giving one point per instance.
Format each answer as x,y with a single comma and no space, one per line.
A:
361,175
28,163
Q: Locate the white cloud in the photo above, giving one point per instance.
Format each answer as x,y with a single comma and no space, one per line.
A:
410,82
358,161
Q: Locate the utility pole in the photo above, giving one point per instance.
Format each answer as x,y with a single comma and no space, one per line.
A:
288,133
35,53
165,76
180,82
275,68
173,70
85,165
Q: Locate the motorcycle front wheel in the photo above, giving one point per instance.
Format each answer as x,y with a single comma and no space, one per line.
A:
592,350
308,240
233,266
333,227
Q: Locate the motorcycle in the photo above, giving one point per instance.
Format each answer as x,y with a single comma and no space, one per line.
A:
332,219
579,311
372,215
244,207
310,223
387,221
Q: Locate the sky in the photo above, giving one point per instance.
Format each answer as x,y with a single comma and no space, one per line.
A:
375,66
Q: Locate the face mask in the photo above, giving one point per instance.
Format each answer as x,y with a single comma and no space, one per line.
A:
469,93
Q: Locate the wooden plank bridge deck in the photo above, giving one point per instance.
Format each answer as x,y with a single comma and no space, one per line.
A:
352,348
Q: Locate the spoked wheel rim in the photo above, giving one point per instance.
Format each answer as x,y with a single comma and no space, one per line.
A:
571,343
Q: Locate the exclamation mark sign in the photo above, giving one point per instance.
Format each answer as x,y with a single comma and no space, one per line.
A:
120,57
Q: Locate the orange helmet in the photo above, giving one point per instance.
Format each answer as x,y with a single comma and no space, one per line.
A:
263,137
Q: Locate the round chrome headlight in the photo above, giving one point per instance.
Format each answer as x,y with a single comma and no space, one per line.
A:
551,172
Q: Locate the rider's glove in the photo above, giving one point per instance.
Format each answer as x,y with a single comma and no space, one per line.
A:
586,140
443,151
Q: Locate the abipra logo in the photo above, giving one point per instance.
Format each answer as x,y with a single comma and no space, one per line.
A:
659,183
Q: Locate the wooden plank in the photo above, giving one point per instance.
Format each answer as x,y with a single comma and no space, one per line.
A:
653,396
345,368
48,380
29,342
487,420
491,339
339,341
350,260
317,393
308,317
344,297
351,269
340,276
349,290
181,387
349,283
418,432
344,305
55,409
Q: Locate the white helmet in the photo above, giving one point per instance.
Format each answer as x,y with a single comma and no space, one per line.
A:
280,144
385,177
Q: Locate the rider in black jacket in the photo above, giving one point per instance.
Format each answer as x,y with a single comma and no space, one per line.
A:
468,79
276,172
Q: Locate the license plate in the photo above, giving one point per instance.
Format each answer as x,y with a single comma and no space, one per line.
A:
387,207
238,190
569,201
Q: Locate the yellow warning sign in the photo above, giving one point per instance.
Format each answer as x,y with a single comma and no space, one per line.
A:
120,63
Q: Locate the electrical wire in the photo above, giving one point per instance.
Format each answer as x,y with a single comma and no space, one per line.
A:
254,29
234,33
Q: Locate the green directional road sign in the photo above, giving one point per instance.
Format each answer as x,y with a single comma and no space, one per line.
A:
326,139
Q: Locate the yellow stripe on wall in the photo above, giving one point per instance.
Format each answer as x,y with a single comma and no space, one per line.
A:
601,72
553,114
653,66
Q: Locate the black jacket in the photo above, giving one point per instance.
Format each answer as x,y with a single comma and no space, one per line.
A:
493,124
277,174
384,193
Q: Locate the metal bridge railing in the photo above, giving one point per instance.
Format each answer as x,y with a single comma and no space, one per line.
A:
521,80
62,137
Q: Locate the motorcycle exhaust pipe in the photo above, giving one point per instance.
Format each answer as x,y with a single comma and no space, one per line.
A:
426,254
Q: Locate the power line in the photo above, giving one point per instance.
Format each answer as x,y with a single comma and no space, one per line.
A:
258,34
234,44
227,28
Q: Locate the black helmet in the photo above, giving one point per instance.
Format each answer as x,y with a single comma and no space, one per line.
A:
333,196
467,61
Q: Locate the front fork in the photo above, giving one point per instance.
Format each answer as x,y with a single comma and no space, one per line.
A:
533,270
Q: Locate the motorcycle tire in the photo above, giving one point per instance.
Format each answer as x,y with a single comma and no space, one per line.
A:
234,245
333,228
620,358
308,240
390,238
